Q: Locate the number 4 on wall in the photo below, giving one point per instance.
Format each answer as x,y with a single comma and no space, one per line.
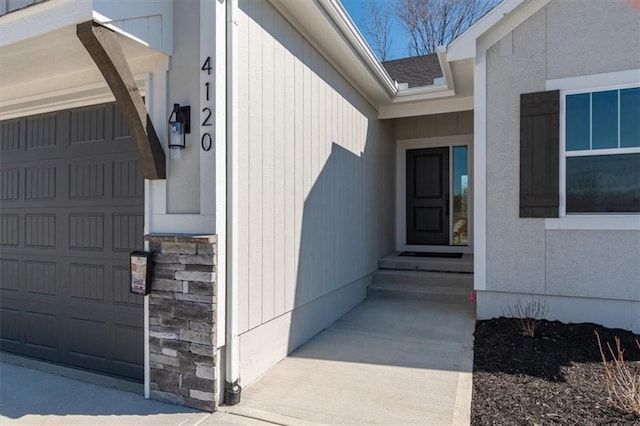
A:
207,65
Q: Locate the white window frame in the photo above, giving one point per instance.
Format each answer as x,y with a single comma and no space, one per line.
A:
590,84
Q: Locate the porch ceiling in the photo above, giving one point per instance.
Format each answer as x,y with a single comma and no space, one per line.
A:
54,64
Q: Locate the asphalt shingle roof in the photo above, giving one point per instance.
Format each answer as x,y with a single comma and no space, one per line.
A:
417,70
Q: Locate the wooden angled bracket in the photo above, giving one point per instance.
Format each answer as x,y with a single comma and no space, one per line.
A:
104,48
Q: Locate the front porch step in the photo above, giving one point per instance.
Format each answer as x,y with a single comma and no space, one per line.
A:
433,286
424,278
463,265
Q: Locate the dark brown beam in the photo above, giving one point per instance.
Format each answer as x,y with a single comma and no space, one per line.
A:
104,48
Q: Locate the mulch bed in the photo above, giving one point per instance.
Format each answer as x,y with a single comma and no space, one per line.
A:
553,378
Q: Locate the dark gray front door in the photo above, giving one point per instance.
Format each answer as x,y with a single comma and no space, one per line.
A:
428,196
71,210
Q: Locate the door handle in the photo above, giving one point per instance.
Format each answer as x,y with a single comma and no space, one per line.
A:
447,205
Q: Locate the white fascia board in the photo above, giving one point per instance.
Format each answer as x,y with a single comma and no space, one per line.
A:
427,107
342,20
42,18
508,24
73,97
464,47
320,29
445,66
423,93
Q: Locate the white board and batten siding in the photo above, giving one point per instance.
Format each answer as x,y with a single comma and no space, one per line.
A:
315,190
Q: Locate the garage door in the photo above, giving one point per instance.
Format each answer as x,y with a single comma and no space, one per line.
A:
71,210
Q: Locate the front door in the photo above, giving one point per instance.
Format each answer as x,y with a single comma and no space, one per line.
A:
428,196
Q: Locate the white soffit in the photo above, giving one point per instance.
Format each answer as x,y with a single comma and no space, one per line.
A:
53,68
426,107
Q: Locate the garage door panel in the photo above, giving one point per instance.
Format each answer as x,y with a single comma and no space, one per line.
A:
40,329
91,125
88,336
10,184
40,182
121,294
40,277
127,179
9,230
126,338
87,281
40,230
72,209
12,136
127,231
41,132
10,274
86,231
87,180
9,326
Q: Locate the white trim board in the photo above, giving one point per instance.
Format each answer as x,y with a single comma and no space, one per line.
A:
595,81
402,145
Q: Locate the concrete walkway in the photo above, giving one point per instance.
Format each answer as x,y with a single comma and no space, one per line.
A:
388,361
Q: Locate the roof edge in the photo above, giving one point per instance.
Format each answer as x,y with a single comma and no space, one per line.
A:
464,47
340,17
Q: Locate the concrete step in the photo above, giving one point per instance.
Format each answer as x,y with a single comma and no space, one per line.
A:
433,264
425,278
440,294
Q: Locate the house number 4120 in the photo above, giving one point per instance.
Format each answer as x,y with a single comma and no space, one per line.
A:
206,141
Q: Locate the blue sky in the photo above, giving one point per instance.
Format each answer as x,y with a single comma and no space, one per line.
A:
356,11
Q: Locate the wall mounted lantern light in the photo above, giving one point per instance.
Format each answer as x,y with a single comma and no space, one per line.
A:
179,126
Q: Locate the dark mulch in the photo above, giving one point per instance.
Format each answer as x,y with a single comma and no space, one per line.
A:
553,378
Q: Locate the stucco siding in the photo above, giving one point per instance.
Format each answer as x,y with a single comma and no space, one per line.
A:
316,181
591,37
567,38
515,247
594,263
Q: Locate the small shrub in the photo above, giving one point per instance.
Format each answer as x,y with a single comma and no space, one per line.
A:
623,380
526,317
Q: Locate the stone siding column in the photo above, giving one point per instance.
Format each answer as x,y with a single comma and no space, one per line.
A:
182,317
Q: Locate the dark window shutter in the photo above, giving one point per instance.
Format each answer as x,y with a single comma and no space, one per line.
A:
539,154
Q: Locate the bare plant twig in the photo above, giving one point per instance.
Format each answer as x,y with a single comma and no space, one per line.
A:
623,380
526,316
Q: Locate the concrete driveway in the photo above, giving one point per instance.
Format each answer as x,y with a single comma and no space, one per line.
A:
388,361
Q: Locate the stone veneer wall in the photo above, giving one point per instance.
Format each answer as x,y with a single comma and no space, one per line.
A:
182,315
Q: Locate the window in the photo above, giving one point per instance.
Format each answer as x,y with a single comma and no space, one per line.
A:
602,151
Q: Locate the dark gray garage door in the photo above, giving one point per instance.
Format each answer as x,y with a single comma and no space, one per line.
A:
71,210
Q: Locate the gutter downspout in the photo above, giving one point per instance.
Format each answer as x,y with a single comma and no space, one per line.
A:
232,388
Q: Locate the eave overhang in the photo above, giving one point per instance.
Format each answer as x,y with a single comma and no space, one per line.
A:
328,27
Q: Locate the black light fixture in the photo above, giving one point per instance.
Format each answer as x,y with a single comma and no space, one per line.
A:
179,126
